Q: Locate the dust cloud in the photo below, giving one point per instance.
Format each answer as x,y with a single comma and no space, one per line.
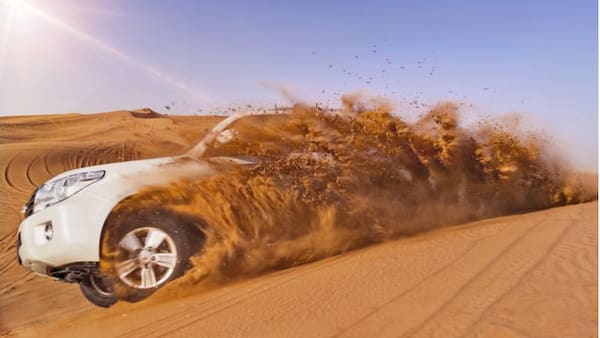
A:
325,182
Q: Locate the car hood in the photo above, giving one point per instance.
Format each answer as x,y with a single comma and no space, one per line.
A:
122,168
122,179
154,164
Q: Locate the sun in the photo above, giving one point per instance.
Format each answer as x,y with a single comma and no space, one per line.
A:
13,5
16,9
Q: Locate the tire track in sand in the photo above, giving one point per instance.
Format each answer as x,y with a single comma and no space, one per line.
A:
498,279
440,274
7,179
29,170
571,267
458,294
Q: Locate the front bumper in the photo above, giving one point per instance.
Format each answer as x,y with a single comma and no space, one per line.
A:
76,227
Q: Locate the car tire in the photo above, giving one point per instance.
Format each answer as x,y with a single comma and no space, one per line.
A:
98,290
146,249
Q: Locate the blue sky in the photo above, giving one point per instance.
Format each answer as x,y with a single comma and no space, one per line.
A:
538,58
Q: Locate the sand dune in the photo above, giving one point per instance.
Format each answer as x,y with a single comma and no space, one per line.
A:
517,276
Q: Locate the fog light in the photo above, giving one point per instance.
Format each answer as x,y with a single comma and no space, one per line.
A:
48,231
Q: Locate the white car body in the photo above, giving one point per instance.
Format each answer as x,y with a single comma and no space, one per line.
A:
77,222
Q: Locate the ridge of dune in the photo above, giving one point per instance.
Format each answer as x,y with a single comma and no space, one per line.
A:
146,113
36,118
525,275
141,112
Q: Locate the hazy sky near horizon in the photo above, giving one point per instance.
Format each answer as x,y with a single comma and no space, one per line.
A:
537,58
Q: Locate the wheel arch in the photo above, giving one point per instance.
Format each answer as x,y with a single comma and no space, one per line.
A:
194,225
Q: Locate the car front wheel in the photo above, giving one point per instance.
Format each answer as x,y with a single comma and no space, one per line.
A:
146,250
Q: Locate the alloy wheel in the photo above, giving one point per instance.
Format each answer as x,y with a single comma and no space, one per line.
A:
149,257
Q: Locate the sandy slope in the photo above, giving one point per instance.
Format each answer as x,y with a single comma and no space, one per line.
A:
527,275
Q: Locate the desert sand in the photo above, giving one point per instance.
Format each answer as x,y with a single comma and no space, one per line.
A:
528,275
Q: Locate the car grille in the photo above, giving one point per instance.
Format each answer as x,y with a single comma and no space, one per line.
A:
18,247
28,207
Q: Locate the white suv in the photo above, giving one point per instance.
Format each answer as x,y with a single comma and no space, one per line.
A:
64,226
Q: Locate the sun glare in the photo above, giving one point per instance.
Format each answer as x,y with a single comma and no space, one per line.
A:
14,10
13,5
18,16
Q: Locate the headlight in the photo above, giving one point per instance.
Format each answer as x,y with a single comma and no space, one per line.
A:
60,189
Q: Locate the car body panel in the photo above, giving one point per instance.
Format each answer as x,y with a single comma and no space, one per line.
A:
78,221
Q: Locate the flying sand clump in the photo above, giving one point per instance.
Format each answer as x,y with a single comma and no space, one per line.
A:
327,182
